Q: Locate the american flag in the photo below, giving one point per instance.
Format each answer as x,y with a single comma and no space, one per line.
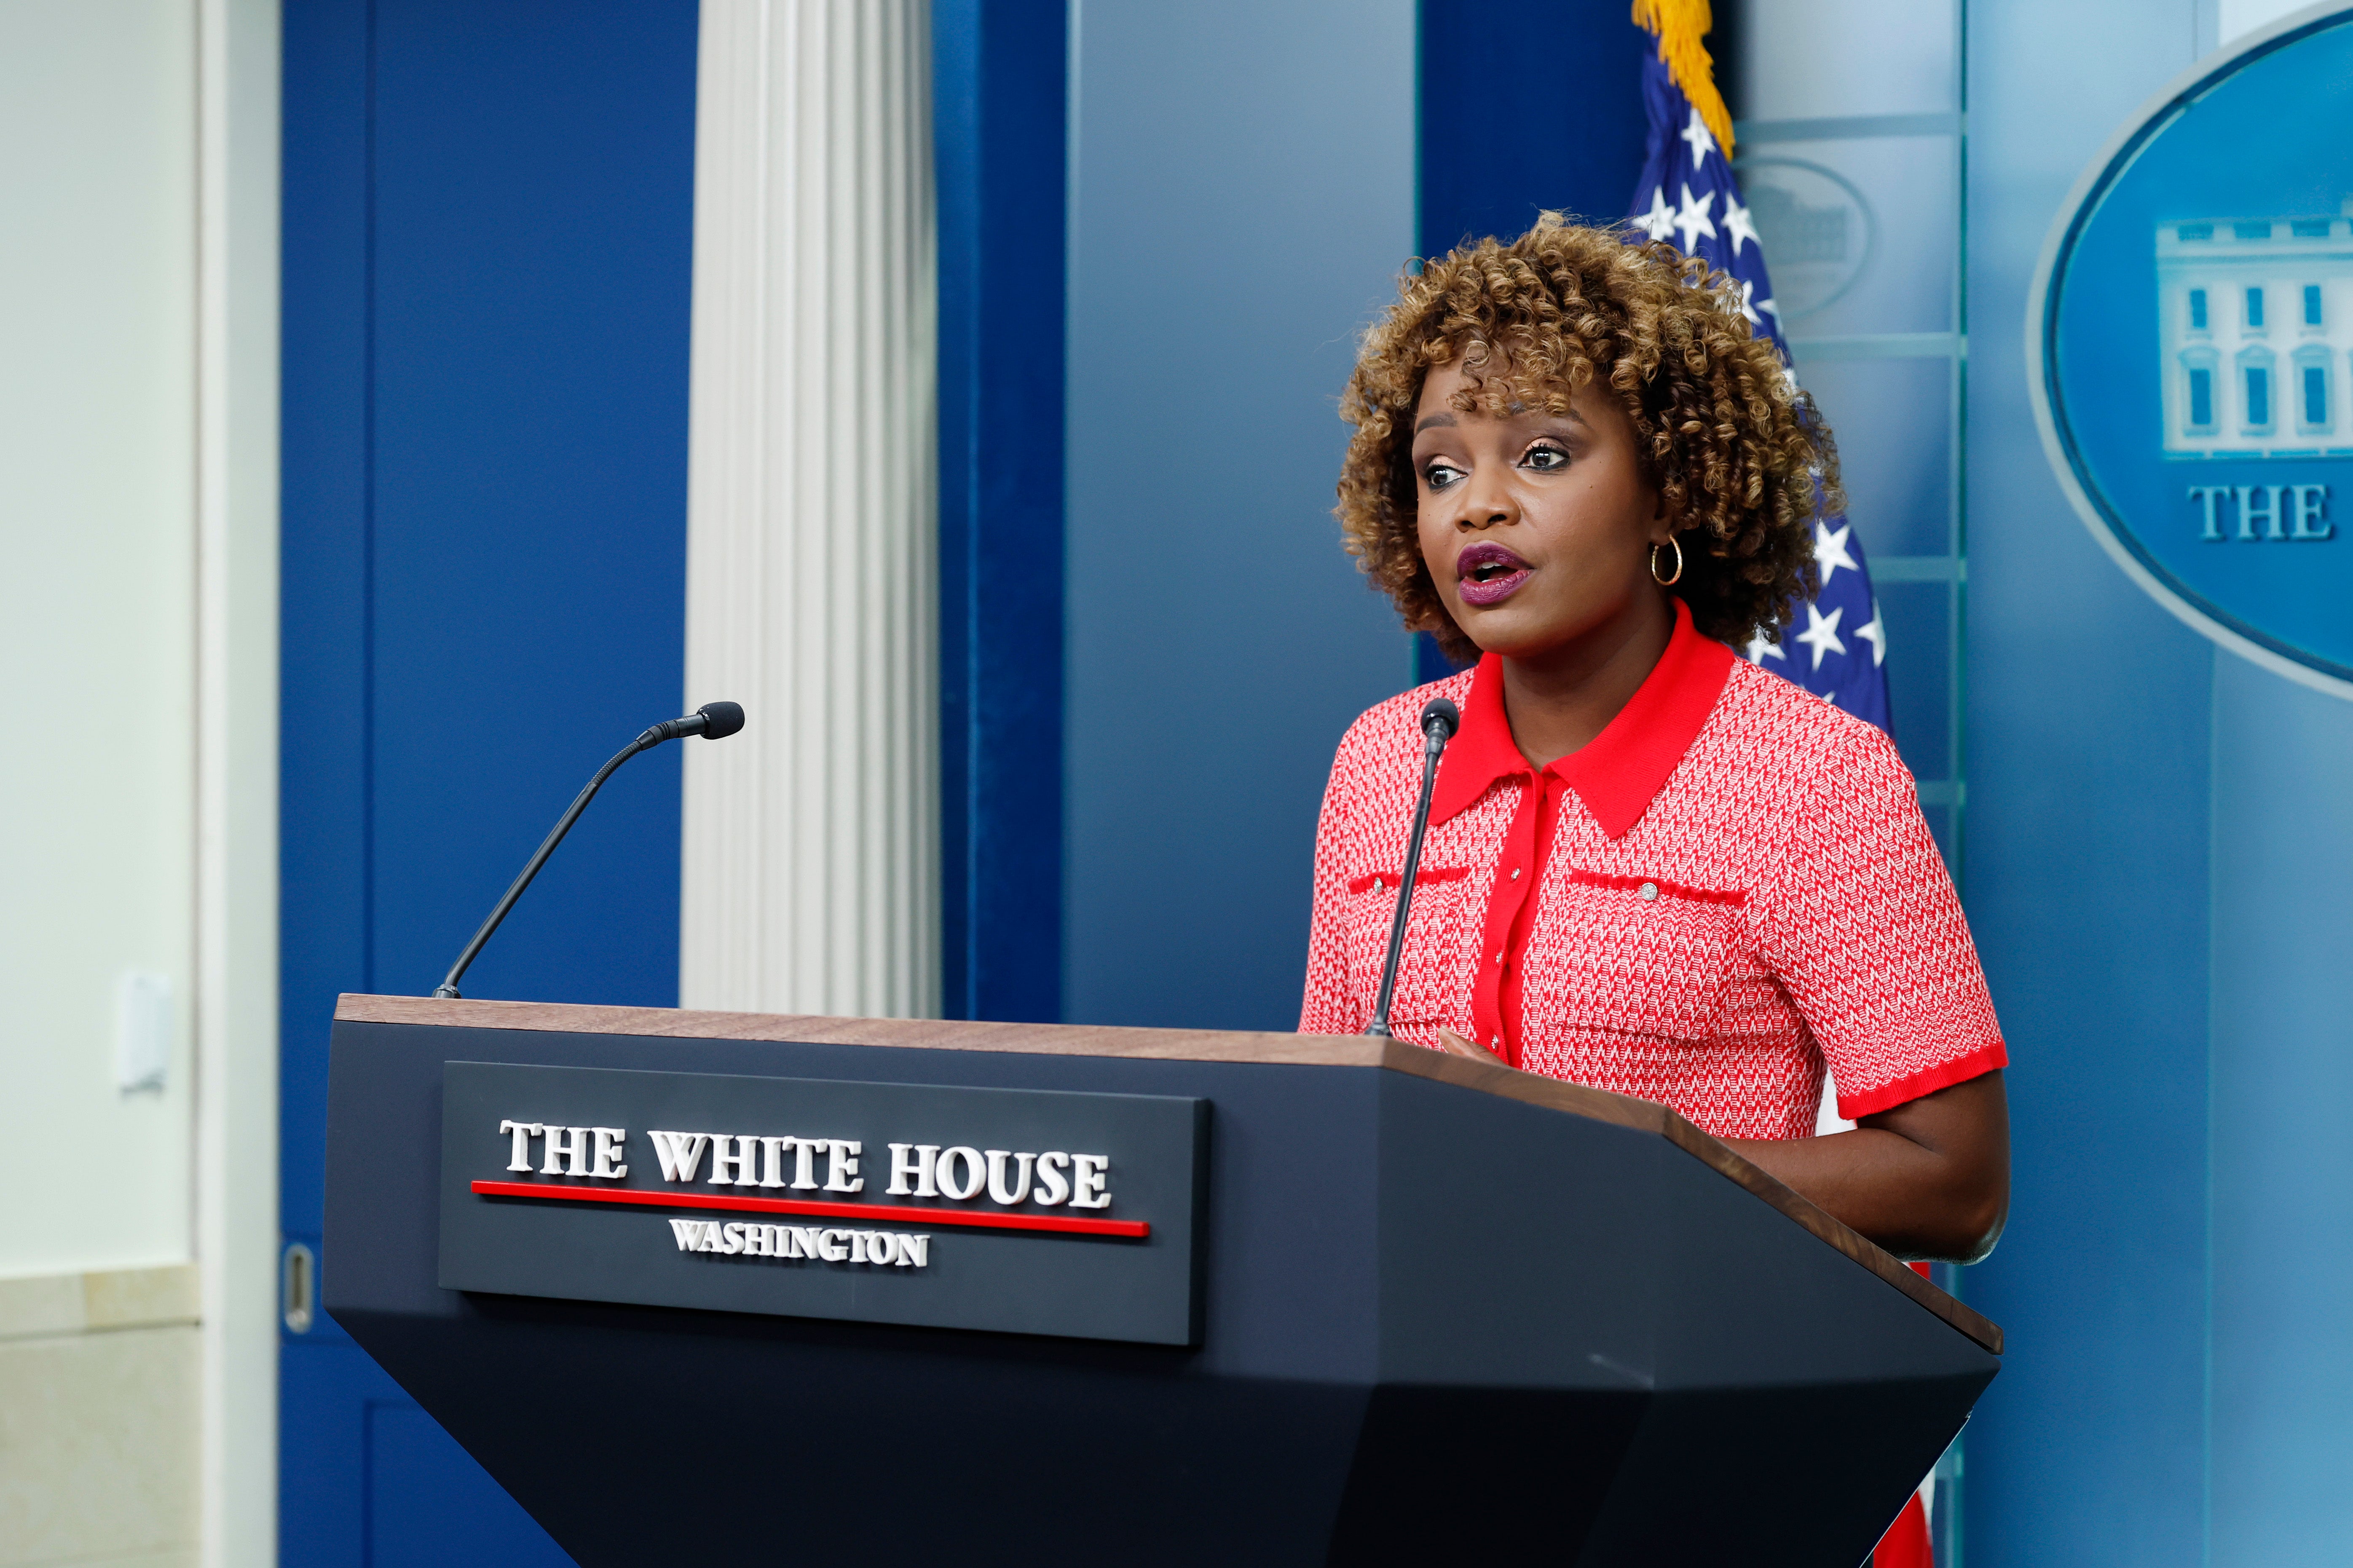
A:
1836,643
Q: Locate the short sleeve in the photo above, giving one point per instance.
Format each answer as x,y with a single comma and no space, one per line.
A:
1861,924
1328,1008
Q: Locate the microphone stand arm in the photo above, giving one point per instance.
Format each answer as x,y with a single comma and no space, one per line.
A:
1434,739
645,743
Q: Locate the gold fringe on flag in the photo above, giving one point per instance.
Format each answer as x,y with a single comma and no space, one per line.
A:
1679,24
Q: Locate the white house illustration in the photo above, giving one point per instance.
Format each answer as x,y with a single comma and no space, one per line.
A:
2256,324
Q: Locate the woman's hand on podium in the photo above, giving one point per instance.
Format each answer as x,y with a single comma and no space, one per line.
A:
1456,1046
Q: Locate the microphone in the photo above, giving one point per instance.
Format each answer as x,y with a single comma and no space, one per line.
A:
1439,720
712,721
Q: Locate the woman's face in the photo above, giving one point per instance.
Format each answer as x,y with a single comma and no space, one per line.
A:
1536,527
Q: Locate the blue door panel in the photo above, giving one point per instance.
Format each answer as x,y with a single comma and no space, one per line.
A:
429,1504
487,231
323,567
381,1485
532,244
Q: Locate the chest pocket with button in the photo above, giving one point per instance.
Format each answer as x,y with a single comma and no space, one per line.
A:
1625,955
1431,940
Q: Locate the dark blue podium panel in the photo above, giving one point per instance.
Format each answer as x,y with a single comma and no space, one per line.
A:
1030,1210
1436,1321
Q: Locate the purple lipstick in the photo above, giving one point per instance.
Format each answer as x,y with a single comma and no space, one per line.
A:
1490,573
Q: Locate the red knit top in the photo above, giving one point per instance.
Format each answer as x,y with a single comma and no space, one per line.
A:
1728,886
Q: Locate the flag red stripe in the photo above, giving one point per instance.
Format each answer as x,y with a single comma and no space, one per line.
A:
1066,1224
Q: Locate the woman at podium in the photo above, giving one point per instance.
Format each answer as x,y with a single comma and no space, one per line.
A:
1652,867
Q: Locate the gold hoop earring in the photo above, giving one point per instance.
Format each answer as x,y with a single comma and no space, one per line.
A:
1668,581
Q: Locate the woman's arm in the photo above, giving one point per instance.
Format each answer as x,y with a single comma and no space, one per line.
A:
1929,1178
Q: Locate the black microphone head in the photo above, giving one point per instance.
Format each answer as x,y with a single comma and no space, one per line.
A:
721,720
1441,717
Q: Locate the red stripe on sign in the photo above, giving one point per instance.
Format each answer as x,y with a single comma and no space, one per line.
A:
1069,1225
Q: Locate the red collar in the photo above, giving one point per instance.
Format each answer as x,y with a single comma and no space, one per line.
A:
1620,771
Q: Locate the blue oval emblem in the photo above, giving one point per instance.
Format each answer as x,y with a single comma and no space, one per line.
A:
2190,347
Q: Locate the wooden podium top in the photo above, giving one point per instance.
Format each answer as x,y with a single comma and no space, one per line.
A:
1181,1045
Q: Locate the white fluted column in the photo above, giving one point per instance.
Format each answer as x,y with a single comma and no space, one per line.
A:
811,881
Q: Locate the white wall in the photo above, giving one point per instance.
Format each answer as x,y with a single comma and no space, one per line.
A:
98,548
139,179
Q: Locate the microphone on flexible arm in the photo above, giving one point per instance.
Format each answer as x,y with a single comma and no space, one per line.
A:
712,721
1439,720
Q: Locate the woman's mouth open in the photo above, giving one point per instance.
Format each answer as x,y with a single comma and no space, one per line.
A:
1489,574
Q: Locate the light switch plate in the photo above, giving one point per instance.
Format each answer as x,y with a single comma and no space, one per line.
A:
145,1025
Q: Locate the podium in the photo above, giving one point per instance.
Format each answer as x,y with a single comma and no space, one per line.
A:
989,1293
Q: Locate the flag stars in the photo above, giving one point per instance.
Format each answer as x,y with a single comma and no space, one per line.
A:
1830,553
1874,632
1703,141
1692,218
1660,221
1726,236
1821,633
1737,226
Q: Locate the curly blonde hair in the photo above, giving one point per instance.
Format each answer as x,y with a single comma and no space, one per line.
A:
1738,453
